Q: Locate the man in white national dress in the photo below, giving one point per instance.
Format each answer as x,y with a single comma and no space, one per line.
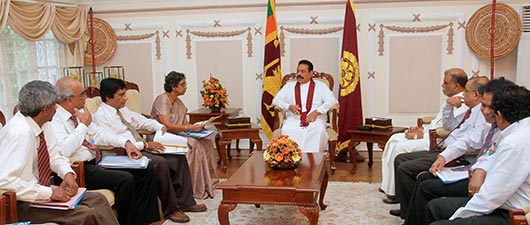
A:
306,103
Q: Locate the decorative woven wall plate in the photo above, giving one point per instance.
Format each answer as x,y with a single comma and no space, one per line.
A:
507,31
104,43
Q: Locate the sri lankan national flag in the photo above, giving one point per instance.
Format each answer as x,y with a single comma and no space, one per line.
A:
350,111
272,75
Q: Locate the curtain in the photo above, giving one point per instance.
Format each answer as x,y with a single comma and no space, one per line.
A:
33,20
22,61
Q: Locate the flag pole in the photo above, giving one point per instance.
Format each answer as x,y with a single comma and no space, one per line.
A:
492,43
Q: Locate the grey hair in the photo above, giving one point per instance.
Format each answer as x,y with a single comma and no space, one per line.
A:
64,93
36,95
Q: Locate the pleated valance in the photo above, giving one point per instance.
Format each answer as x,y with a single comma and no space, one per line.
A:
32,20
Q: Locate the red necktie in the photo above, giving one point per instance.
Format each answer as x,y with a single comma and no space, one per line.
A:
87,144
43,161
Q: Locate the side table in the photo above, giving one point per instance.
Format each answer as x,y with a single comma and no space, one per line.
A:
370,137
226,135
204,114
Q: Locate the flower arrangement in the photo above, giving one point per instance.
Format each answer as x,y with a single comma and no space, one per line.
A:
214,95
282,153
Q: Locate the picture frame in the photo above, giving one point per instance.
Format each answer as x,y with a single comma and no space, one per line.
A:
92,79
114,72
76,72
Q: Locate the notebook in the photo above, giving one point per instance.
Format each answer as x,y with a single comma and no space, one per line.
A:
450,175
123,162
51,204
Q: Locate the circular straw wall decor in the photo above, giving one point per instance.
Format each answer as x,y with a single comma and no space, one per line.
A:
104,43
507,31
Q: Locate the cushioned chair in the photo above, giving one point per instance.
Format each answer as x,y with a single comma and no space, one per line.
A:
332,128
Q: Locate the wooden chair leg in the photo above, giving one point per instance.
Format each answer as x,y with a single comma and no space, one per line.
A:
332,146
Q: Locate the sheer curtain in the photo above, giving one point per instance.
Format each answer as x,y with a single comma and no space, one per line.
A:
22,61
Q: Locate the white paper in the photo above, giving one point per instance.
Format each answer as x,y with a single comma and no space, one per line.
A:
453,174
174,144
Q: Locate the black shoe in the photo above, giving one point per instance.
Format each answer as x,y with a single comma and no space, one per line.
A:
391,199
395,212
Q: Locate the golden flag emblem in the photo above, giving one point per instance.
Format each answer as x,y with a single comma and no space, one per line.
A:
349,74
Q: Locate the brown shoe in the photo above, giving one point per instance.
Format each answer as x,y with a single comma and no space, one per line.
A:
178,217
195,208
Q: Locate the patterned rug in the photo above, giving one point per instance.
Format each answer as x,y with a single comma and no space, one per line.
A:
348,203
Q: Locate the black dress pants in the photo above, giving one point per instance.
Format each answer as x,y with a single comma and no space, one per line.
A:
441,209
134,191
174,181
407,167
427,188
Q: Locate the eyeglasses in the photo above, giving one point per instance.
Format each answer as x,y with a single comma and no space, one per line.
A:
183,85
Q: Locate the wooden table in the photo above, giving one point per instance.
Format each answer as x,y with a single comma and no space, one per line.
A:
370,137
226,135
256,183
204,114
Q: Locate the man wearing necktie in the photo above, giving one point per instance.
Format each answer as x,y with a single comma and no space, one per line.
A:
134,189
28,156
173,173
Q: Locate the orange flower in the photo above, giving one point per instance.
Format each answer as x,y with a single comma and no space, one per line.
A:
278,157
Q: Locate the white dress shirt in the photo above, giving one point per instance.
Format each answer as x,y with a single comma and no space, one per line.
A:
19,161
507,184
452,115
108,119
475,121
70,138
471,140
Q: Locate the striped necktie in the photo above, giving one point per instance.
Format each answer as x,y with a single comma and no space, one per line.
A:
86,143
135,133
43,162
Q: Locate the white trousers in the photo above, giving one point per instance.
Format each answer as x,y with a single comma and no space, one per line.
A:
396,145
312,138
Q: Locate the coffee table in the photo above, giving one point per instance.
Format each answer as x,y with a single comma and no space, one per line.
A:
370,137
256,183
225,136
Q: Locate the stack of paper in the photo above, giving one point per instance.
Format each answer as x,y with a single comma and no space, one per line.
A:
70,204
204,122
203,134
450,175
123,162
174,144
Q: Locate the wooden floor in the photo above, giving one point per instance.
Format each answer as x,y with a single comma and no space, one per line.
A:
363,174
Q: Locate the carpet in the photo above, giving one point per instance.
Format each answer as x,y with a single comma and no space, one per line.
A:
348,203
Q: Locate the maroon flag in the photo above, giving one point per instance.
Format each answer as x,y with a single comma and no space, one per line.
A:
350,111
272,75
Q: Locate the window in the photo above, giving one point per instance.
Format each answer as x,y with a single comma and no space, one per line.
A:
22,61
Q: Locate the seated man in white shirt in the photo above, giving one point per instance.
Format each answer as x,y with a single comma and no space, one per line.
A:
134,189
306,103
174,179
29,156
506,185
417,138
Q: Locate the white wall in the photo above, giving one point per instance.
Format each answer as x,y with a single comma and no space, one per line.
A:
219,55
